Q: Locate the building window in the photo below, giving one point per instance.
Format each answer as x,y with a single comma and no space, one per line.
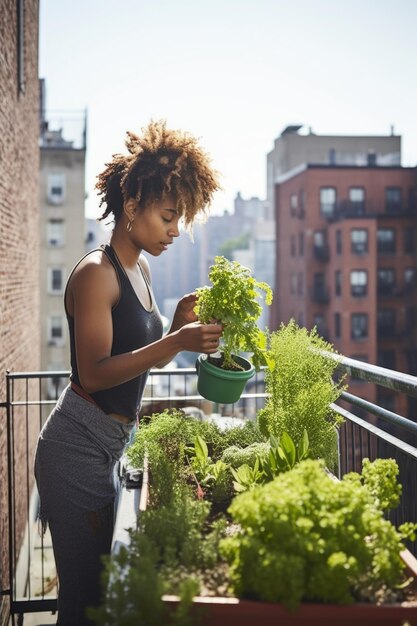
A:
55,280
339,246
294,204
358,283
410,277
393,199
386,281
338,282
357,200
386,240
386,358
56,330
359,325
327,201
56,188
320,294
359,241
301,244
293,246
410,240
319,323
55,232
337,325
321,251
412,199
386,322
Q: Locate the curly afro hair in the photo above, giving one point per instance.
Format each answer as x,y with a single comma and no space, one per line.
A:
160,161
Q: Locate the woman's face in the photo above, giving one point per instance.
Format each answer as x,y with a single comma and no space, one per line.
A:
155,227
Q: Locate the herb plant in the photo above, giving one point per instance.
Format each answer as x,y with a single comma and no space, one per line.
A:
233,300
301,391
307,537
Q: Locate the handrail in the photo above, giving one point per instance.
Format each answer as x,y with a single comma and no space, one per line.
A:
392,379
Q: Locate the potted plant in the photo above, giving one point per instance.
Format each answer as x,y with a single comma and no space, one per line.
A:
233,300
303,548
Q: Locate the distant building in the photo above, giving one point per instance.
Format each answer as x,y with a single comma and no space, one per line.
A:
346,262
293,148
62,226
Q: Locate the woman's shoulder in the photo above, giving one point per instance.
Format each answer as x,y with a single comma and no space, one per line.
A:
93,276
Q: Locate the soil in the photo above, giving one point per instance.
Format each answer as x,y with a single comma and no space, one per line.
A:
218,361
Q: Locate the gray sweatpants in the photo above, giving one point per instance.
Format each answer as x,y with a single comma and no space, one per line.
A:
74,467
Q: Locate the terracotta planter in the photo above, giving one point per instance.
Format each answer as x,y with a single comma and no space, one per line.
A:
221,385
231,612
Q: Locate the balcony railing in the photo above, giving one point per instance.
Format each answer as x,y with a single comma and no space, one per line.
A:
368,431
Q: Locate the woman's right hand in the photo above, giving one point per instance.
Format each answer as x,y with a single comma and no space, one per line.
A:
198,337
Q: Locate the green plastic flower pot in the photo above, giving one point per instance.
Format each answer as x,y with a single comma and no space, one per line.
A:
220,385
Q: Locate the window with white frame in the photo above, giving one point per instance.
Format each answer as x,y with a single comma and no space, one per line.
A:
56,188
55,280
359,283
357,199
55,232
294,203
327,201
56,330
359,240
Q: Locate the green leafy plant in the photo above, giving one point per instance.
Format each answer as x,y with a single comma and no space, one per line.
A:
284,455
306,536
208,474
246,477
233,300
301,390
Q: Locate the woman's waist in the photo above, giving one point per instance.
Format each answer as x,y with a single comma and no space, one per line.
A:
123,419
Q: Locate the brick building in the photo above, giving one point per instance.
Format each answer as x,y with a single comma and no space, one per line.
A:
19,228
346,243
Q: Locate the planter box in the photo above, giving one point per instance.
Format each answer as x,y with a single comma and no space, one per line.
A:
235,612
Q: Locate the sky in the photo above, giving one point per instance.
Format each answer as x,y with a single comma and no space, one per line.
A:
234,73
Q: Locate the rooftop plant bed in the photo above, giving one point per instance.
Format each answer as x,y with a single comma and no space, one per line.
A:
247,526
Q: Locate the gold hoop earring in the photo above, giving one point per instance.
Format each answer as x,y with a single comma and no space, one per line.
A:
129,226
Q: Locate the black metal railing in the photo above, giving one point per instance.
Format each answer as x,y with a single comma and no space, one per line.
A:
30,396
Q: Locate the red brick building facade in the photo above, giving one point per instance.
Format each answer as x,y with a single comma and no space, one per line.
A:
346,262
19,229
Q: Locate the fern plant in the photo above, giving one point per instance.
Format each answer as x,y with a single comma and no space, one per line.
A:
301,391
233,300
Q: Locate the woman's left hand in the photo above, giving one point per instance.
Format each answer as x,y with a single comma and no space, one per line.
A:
184,313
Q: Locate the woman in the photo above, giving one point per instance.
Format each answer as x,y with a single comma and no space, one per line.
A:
115,337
